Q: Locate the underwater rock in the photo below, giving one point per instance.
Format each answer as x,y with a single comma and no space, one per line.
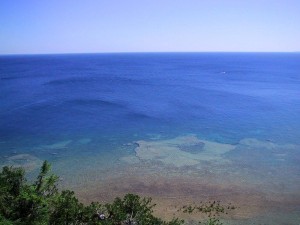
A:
84,141
182,151
192,148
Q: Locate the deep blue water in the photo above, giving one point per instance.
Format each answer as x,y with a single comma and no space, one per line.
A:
222,96
79,110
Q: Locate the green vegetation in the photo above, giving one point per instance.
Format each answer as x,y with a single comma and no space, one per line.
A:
213,210
22,203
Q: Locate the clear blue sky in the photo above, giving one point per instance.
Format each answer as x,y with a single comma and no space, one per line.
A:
70,26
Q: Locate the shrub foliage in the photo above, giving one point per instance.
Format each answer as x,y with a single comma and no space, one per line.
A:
40,202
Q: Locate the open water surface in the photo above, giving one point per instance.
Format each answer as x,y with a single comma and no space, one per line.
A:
145,119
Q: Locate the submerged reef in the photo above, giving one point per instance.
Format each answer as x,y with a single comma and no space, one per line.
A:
181,151
26,161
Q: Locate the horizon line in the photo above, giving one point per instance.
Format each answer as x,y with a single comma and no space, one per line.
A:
141,52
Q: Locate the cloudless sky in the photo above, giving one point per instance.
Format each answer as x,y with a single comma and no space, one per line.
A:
78,26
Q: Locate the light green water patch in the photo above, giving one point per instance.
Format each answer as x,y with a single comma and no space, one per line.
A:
27,161
95,167
180,151
84,141
258,144
153,136
56,146
248,163
88,164
130,159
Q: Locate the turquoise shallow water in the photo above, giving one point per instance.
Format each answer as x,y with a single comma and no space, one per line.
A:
85,114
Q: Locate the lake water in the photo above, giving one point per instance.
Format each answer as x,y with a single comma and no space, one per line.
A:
179,127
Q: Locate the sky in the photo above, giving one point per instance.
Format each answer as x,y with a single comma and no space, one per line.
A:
90,26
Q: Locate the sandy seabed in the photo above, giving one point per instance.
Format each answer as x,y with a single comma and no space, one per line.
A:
255,176
187,170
